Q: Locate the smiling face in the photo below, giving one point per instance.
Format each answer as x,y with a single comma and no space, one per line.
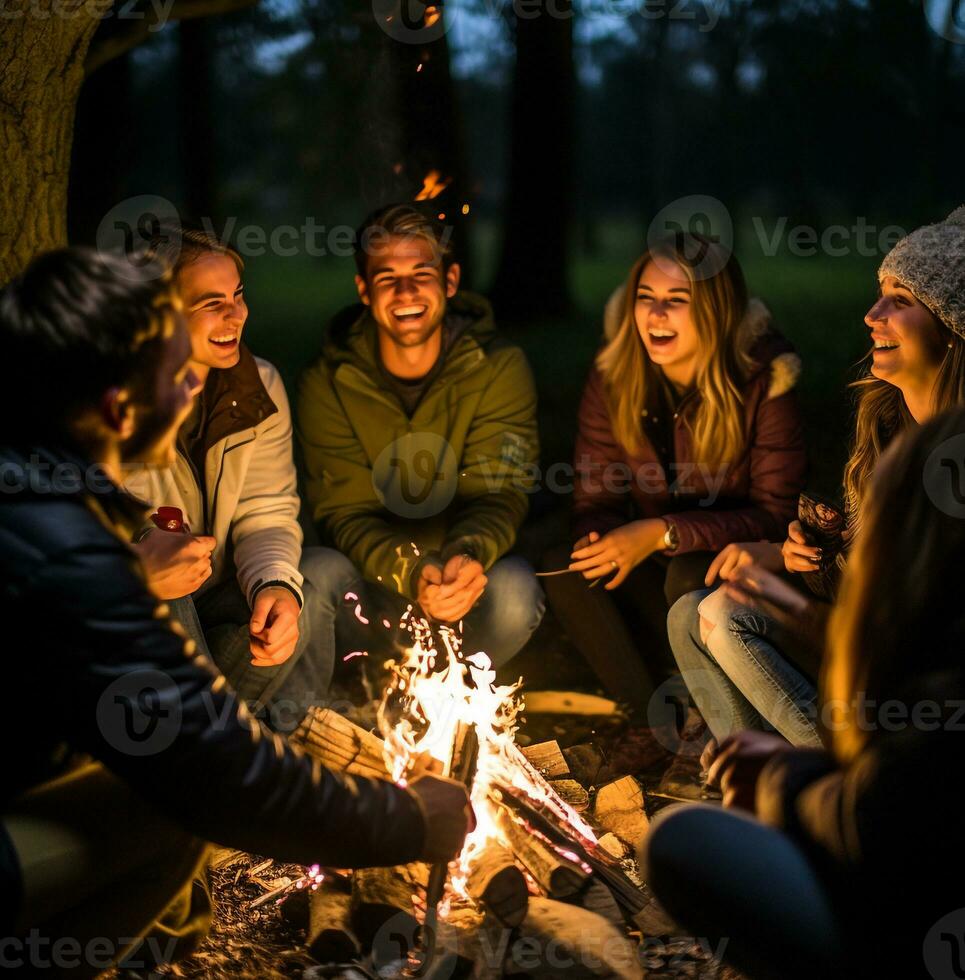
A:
909,342
406,289
214,310
663,315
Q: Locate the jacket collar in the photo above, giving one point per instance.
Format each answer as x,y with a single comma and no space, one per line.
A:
235,399
353,333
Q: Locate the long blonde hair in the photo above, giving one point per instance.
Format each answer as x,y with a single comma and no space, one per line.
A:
718,305
881,414
898,627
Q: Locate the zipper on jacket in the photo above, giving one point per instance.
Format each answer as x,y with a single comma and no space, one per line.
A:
217,483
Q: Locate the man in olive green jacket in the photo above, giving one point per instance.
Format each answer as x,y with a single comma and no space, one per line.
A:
418,428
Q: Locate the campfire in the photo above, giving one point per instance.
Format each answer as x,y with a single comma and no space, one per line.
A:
532,867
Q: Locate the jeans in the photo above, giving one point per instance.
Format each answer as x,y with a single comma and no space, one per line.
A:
500,623
738,678
622,634
745,887
217,620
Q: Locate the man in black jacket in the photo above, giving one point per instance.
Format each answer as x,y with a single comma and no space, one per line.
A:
90,856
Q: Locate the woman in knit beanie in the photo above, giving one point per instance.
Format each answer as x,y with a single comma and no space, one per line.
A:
743,662
918,329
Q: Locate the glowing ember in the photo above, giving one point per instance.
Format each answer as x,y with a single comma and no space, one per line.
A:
433,184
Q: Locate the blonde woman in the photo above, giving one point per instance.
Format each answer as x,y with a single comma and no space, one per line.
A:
753,668
843,876
689,438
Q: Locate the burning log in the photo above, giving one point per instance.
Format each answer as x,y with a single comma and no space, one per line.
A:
330,935
340,745
548,759
603,864
561,810
557,876
498,884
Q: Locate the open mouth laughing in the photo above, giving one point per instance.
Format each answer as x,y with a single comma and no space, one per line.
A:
411,313
661,337
224,342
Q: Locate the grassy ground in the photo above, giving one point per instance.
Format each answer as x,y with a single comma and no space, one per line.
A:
818,302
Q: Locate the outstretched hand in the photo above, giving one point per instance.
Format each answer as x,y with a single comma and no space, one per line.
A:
617,552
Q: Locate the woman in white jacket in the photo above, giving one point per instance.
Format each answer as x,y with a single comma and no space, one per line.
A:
236,576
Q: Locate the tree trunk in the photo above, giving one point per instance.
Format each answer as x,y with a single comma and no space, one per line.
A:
41,71
432,129
103,145
532,279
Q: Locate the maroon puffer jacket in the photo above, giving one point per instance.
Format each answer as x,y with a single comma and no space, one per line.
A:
754,498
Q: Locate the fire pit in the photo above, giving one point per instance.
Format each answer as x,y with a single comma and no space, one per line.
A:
533,868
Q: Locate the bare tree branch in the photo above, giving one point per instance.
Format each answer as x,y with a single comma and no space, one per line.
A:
151,20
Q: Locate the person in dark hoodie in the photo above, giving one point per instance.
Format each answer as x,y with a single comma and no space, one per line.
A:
418,431
689,437
92,853
849,869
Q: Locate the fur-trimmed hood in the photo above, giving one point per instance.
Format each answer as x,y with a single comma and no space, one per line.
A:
758,338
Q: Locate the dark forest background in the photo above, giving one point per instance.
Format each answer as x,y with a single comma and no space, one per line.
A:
564,135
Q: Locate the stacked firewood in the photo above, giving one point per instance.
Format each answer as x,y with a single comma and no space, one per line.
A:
546,883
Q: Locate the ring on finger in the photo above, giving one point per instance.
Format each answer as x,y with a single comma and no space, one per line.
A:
613,563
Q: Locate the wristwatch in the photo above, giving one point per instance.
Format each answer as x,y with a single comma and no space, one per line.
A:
671,538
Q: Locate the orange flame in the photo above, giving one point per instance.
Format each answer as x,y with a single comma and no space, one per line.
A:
433,706
433,184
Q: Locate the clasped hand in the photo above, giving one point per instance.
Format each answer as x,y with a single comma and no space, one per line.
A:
447,594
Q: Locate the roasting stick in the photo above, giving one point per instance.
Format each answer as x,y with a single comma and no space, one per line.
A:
461,765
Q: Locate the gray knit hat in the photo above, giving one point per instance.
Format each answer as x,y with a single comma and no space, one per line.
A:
931,263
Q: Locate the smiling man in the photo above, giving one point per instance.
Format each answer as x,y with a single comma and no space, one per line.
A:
237,578
418,426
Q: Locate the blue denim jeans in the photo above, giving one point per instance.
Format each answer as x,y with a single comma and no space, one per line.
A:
746,887
217,620
739,679
500,623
